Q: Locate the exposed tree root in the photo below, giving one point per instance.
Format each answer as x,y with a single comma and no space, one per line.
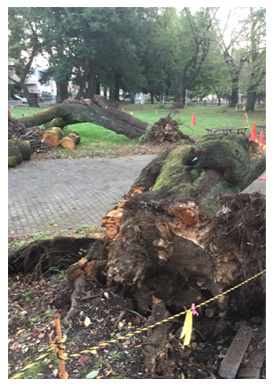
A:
165,130
39,256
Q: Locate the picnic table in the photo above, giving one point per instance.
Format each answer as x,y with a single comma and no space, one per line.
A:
227,130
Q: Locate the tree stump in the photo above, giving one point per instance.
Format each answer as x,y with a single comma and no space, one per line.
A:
53,136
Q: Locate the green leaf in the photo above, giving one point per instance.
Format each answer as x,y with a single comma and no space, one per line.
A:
92,374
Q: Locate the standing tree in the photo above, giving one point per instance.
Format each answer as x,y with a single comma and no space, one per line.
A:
229,40
25,43
59,41
186,40
256,55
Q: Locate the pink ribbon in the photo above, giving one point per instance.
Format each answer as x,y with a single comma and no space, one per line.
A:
194,311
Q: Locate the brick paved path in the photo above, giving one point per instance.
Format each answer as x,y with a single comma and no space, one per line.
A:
63,194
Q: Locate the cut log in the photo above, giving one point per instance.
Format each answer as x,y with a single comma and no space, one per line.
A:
70,141
98,112
53,136
12,162
16,152
24,147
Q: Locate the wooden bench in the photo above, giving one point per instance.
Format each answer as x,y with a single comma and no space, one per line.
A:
227,130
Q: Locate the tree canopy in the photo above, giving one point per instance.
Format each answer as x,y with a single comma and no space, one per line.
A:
145,49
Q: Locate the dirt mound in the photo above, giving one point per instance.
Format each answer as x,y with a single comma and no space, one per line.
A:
165,130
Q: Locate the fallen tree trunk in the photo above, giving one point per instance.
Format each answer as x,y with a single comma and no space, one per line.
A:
98,112
53,136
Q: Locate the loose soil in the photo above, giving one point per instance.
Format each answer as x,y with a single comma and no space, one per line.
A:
30,311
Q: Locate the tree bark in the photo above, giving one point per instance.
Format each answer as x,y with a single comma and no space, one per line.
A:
99,113
234,92
91,81
62,92
250,101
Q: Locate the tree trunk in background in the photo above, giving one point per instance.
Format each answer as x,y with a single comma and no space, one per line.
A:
112,86
91,81
32,101
97,89
234,92
62,91
83,79
151,98
97,112
117,88
251,99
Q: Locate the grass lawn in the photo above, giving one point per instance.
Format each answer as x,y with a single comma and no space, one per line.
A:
97,141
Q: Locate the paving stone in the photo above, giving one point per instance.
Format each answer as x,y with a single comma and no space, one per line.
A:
235,353
74,192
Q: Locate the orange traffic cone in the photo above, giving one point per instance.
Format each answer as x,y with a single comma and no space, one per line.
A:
123,110
9,112
263,178
261,139
193,122
253,136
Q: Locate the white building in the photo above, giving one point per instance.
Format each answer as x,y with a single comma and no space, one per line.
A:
32,82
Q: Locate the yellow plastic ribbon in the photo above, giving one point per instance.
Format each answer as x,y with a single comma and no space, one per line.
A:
187,328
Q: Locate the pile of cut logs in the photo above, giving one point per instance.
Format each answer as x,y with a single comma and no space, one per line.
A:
54,136
24,141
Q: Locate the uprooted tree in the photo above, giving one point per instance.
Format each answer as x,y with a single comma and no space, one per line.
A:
183,229
182,234
98,112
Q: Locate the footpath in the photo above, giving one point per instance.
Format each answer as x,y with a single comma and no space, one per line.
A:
66,194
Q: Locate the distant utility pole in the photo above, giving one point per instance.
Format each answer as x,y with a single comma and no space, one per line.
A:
186,97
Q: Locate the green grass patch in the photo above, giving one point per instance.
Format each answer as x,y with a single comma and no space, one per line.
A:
98,141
